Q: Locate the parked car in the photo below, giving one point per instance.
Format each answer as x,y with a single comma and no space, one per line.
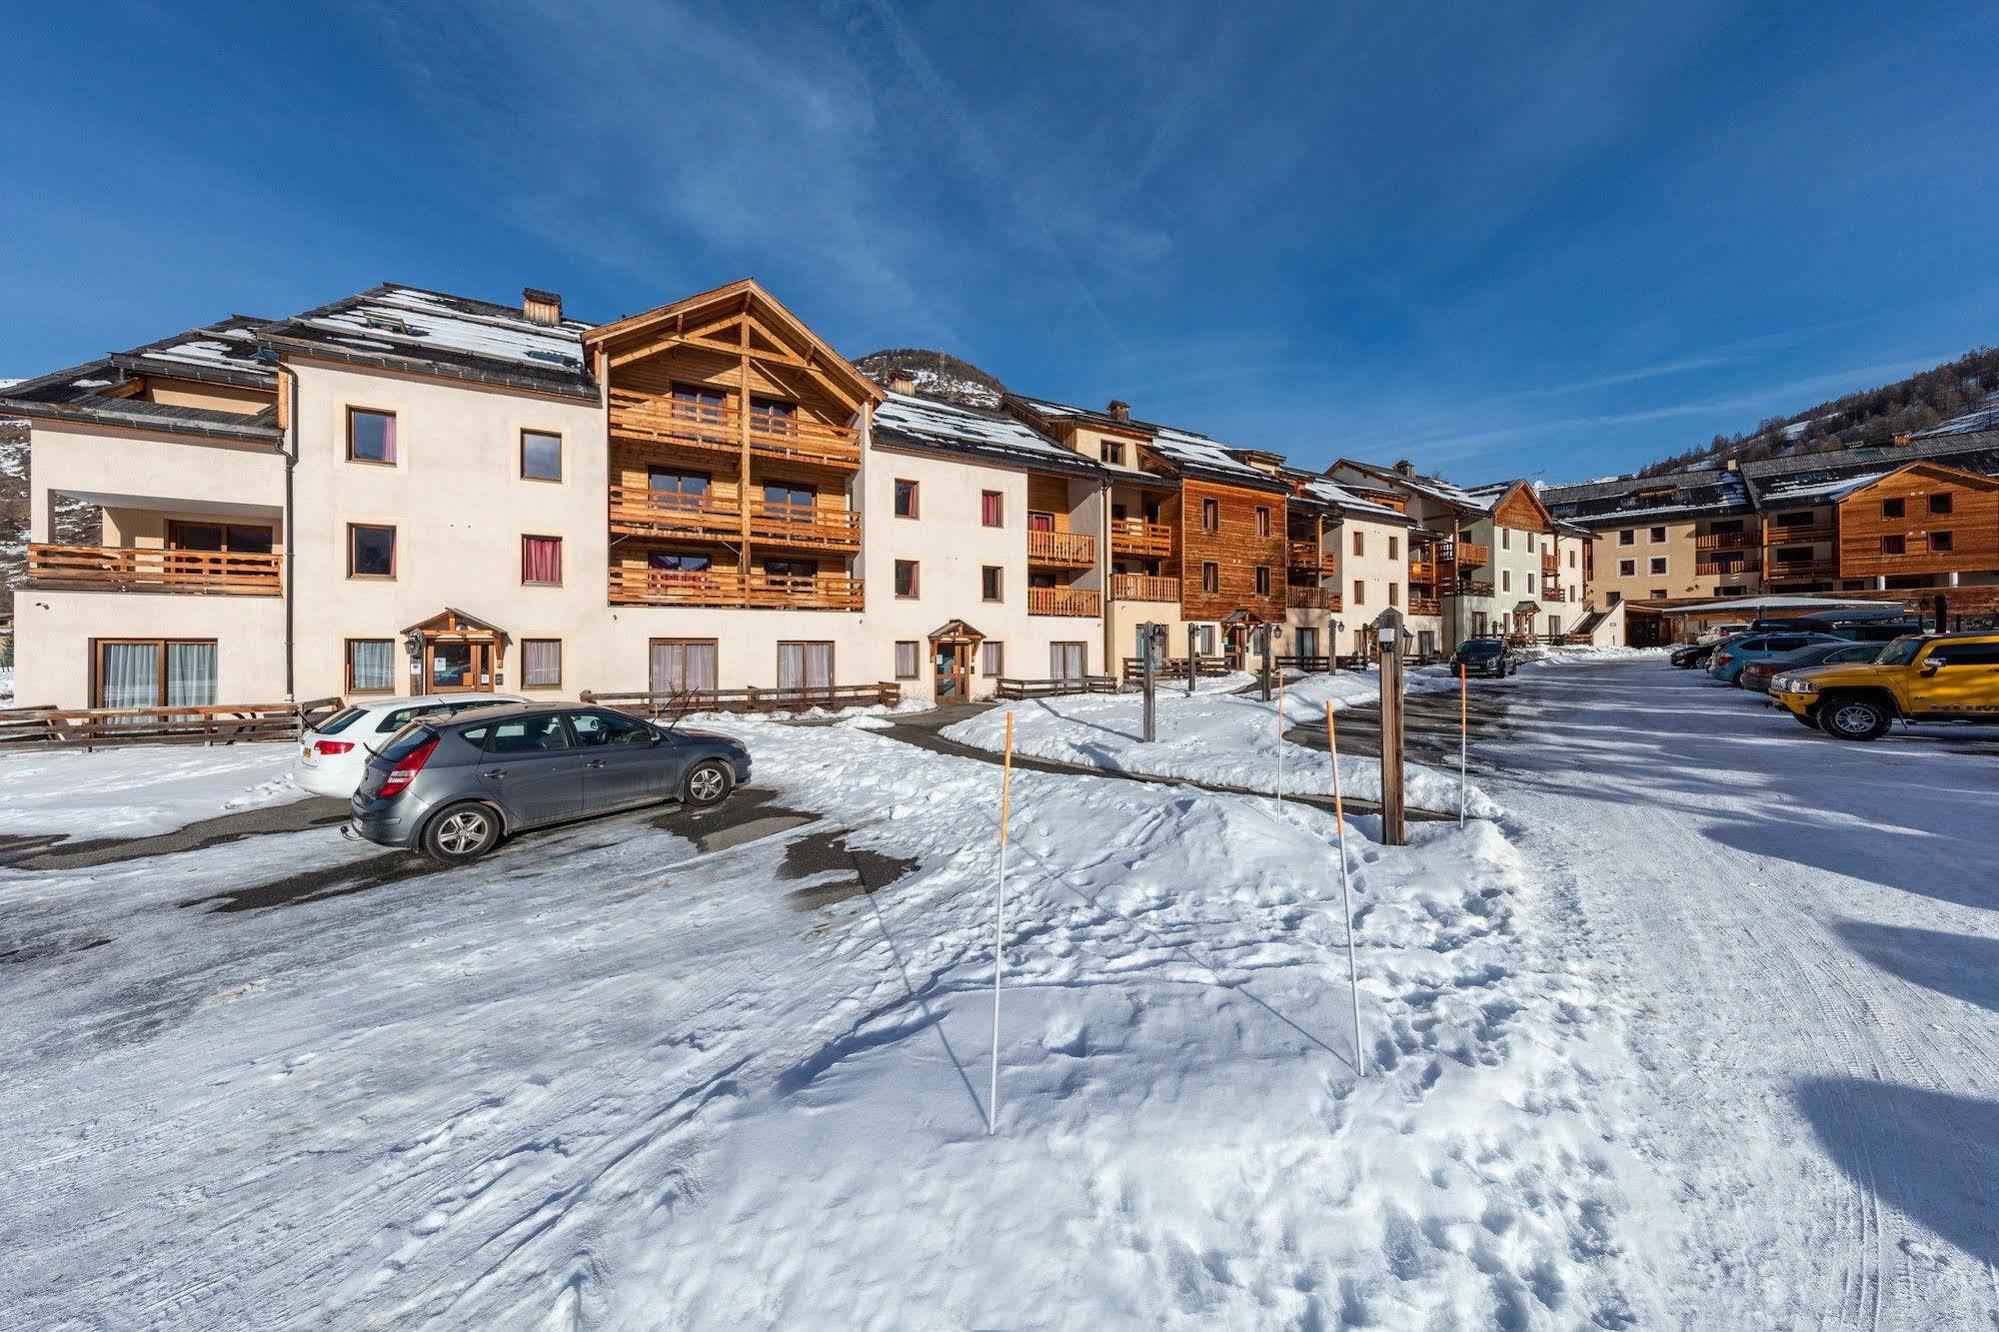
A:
453,786
1732,656
1701,650
1757,675
1486,656
333,755
1934,677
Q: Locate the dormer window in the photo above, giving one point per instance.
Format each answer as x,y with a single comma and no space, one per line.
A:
1114,452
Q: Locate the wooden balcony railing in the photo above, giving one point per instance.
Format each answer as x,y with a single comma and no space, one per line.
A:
1464,554
1551,566
637,586
1062,601
1425,606
128,569
1737,560
1724,540
1473,587
1793,536
1793,569
1135,536
1144,587
719,429
805,525
636,509
1422,571
1069,549
1311,598
1309,555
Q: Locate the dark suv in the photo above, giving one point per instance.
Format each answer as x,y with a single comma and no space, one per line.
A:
1486,656
453,786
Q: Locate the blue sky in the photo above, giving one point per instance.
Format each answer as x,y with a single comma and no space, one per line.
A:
1497,239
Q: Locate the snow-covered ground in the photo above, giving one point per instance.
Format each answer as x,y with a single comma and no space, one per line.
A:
137,790
613,1077
1223,739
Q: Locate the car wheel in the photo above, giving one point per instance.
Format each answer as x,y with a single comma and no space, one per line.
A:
1853,719
461,832
707,783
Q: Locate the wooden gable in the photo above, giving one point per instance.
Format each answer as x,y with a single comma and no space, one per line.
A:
1948,520
1522,510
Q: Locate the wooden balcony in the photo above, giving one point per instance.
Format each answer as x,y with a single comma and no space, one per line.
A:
1135,536
1795,536
807,525
638,511
1792,570
1724,540
1422,571
1732,560
714,429
1309,555
636,586
1425,606
1063,601
1464,554
1068,550
129,569
1473,587
1144,587
1311,598
1551,566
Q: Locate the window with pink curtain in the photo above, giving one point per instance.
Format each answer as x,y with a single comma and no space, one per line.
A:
989,508
541,559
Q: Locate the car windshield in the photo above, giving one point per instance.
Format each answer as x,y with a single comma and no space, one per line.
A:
406,742
338,722
1480,648
1900,652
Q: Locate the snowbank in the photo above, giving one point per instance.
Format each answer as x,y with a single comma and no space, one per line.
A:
1220,739
139,790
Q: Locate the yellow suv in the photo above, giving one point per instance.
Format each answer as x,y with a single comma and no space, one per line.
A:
1935,677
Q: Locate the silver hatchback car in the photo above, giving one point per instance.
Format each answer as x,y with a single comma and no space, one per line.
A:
453,786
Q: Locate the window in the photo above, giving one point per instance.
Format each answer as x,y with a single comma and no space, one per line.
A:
1211,515
1211,577
673,568
1263,580
541,561
1359,593
1478,624
1395,594
371,551
1892,508
992,508
990,582
371,436
1262,522
541,456
1940,503
1114,452
1040,522
1207,640
541,663
1658,594
1506,538
1068,661
226,538
1614,598
804,665
1530,584
1658,564
680,665
1940,541
690,489
1657,535
905,578
905,499
1506,580
906,659
596,729
1627,568
371,665
528,735
1894,545
992,659
1963,654
1394,548
1627,537
1359,542
790,501
151,673
773,415
806,570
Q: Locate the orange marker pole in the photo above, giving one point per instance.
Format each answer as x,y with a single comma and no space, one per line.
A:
1346,893
999,926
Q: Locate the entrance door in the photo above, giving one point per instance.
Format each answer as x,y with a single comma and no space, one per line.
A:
458,664
954,671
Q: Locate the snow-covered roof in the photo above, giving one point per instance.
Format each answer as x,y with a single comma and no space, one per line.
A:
927,422
1341,498
228,351
1618,499
1824,492
1187,449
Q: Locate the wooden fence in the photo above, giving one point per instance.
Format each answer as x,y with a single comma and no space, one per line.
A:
672,706
1173,668
212,724
1082,684
1304,663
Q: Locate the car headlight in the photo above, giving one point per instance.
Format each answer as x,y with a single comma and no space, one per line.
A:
1792,684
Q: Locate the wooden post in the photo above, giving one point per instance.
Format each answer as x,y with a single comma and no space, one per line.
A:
999,927
1193,657
1388,632
1155,637
1262,639
1346,893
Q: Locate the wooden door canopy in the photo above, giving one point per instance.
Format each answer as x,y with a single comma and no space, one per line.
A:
453,624
956,631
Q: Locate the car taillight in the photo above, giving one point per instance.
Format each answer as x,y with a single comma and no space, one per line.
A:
332,746
407,770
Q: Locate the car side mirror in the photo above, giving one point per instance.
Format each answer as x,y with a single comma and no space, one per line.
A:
1930,667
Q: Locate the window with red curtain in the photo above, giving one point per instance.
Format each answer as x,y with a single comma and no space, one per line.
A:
989,508
541,559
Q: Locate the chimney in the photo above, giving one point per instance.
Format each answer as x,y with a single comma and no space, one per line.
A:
1731,465
902,384
1120,411
541,307
1405,468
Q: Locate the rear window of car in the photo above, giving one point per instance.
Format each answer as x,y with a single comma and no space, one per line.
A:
406,742
338,722
528,735
397,718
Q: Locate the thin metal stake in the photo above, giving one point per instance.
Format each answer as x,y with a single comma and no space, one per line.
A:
1280,737
1346,896
999,928
1464,725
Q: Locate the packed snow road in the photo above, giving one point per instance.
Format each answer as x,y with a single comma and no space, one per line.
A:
1807,936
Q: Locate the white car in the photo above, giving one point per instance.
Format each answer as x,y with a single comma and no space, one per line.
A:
332,757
